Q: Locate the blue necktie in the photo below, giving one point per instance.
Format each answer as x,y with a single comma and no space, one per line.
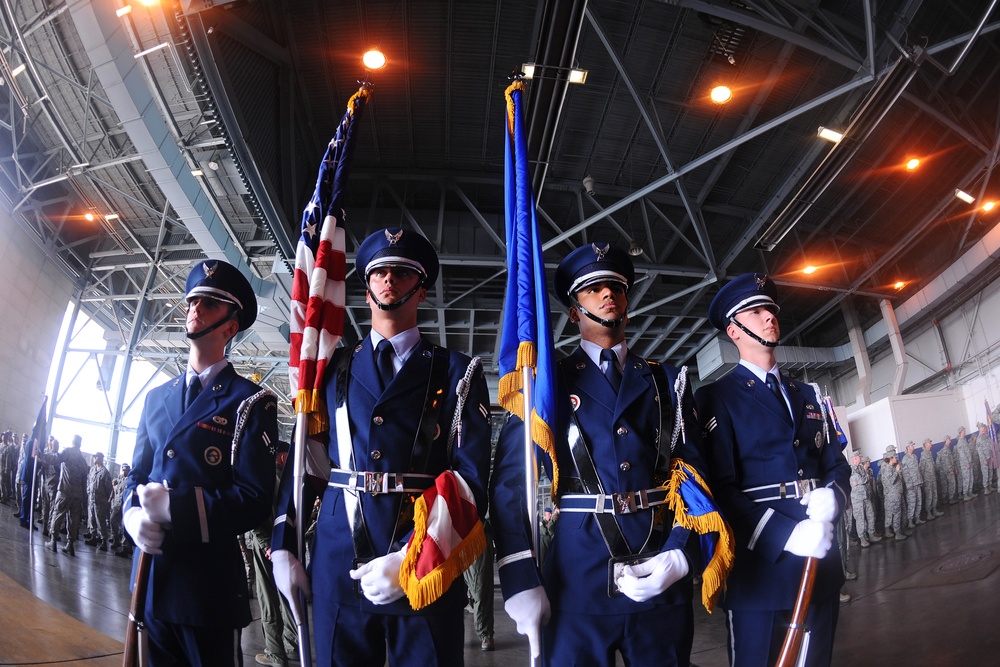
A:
610,359
772,384
192,392
383,361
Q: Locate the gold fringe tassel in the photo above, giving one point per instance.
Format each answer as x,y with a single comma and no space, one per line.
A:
422,592
714,576
311,402
517,85
510,398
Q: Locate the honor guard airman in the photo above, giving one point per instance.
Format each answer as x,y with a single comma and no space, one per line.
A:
392,401
780,477
202,474
617,576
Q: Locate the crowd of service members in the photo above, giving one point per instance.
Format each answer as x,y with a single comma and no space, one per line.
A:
73,492
911,488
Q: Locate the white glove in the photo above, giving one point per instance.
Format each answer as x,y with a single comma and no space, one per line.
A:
155,499
147,534
810,539
290,578
821,504
380,578
530,611
648,579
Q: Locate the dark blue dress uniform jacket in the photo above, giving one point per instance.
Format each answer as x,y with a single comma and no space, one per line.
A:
383,426
200,578
749,442
621,433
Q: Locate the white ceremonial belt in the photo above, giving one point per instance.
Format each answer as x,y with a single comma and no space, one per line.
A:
380,482
781,490
626,502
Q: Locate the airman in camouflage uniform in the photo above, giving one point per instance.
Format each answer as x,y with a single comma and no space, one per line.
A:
892,492
913,483
8,466
864,514
963,453
984,448
99,503
49,484
929,473
117,496
947,480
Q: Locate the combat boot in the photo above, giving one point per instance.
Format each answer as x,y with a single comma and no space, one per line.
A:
920,522
875,537
69,550
938,513
865,543
103,546
900,537
52,544
889,532
91,541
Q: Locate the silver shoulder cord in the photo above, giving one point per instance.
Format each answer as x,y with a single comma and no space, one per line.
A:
242,412
680,384
463,393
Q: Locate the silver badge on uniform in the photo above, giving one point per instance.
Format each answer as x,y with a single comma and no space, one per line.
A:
220,420
213,456
819,440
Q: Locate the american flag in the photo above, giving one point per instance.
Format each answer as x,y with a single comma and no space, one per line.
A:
318,290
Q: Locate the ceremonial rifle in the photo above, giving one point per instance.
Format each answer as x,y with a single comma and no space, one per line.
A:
796,630
131,656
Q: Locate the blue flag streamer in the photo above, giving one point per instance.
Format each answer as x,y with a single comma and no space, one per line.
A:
841,436
526,333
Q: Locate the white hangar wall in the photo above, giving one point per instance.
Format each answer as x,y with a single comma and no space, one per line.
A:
33,301
955,365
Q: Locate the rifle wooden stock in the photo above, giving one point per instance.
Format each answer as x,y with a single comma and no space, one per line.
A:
130,658
793,637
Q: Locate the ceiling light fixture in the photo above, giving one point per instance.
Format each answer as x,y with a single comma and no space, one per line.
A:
964,196
17,70
533,71
988,206
122,11
374,59
634,248
898,285
912,164
197,172
809,270
721,94
830,135
161,45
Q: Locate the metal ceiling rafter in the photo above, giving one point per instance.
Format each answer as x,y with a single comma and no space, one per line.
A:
769,26
694,213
